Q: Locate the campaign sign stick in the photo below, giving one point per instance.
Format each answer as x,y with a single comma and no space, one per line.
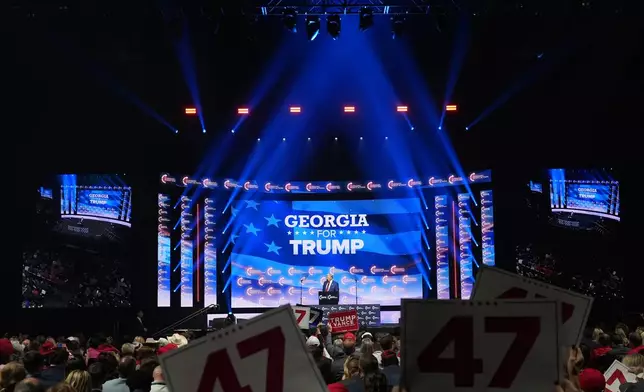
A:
493,283
265,354
505,345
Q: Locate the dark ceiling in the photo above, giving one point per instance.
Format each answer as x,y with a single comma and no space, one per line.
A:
74,72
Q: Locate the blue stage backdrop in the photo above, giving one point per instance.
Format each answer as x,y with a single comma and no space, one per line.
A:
372,246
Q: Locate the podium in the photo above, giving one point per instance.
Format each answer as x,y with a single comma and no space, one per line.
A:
328,297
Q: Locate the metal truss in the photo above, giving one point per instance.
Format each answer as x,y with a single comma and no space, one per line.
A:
325,7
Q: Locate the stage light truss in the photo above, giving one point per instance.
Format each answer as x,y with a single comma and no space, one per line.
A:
326,7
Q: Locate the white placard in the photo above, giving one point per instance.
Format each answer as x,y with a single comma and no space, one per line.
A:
302,316
505,345
616,375
493,283
265,354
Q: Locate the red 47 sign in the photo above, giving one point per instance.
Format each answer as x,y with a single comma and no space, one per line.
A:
302,316
246,358
478,346
616,375
493,283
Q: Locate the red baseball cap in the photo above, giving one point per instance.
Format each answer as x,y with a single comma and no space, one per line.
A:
349,335
337,387
6,348
592,380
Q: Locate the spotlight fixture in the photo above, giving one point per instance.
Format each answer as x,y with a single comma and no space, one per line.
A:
176,131
295,109
336,139
290,20
308,139
312,27
333,26
283,139
360,137
203,130
402,109
451,108
397,26
243,111
386,137
366,18
349,109
191,111
258,139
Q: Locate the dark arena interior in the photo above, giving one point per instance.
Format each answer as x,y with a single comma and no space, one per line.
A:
341,155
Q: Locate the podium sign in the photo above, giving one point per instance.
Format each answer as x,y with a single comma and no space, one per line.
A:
328,297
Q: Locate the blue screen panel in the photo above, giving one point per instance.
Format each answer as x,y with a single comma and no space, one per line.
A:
372,248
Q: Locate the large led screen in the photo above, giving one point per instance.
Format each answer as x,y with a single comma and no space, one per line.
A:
283,250
77,253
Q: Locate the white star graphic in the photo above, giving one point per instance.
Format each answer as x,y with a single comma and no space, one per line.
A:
312,232
289,232
341,232
355,232
297,233
364,231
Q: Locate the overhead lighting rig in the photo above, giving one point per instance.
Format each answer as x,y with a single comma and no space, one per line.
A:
366,9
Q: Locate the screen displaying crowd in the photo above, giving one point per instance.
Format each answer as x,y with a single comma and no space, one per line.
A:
582,207
76,255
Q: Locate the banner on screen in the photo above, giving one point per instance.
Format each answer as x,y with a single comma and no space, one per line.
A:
284,249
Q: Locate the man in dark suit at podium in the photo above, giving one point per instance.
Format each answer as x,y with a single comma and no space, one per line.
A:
330,285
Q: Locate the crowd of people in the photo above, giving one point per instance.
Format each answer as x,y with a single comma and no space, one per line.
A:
72,364
348,362
73,277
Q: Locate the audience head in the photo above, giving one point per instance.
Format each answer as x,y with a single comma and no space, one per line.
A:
592,380
109,361
10,375
351,367
97,374
59,357
374,380
596,333
635,339
367,347
76,363
145,352
617,340
127,349
30,385
127,367
635,362
349,341
33,362
387,342
604,340
158,374
6,351
63,387
80,380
